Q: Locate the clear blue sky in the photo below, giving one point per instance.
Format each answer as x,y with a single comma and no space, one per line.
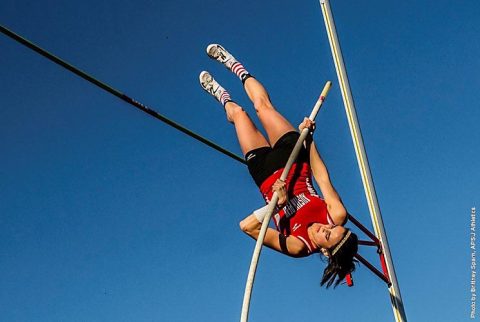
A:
107,214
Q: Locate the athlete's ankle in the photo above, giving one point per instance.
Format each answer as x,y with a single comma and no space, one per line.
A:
247,76
239,70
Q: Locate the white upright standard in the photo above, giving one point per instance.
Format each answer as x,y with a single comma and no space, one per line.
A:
394,289
263,230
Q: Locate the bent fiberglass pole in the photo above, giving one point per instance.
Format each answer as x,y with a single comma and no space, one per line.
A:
376,216
273,203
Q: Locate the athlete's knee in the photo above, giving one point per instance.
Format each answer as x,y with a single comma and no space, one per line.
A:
234,109
261,103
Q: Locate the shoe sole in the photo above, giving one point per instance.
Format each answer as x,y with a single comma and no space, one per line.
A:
206,75
210,48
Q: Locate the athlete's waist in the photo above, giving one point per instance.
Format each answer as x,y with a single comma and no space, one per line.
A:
298,173
294,192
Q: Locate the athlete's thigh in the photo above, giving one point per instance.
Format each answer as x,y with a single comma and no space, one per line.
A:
274,124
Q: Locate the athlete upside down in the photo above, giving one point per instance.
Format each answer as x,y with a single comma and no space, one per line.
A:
305,222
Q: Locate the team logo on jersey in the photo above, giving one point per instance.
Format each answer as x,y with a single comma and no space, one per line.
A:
295,204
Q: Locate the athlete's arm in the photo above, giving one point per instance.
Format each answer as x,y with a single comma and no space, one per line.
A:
291,246
320,173
335,206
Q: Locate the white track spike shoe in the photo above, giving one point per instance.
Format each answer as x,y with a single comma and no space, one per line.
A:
210,85
215,51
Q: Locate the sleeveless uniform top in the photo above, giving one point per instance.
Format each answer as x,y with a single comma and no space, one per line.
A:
304,206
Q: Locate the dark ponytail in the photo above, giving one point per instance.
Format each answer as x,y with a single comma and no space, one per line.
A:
341,262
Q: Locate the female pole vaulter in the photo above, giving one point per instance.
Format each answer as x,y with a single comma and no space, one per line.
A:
305,223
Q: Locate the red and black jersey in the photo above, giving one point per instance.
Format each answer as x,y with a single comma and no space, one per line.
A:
304,206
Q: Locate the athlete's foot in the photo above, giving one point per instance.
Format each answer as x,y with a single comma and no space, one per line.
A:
211,86
215,51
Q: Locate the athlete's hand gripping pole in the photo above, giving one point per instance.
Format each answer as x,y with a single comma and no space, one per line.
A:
273,203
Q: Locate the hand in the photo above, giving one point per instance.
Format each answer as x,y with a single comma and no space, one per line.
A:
307,123
281,188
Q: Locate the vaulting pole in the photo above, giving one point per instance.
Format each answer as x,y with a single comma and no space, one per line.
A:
394,289
273,203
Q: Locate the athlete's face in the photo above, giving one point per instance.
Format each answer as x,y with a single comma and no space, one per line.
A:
326,236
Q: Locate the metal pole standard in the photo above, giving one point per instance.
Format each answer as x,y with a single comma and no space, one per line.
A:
394,289
273,203
116,93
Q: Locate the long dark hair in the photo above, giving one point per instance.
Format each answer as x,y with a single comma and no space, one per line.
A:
342,262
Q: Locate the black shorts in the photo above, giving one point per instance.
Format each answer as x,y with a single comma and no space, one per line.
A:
263,162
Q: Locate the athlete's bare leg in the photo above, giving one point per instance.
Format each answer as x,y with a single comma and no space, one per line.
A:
274,123
248,135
